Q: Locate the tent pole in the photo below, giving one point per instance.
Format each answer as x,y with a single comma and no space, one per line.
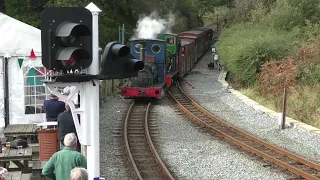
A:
6,90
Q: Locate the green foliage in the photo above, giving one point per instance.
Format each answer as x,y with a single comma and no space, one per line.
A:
244,47
284,16
310,31
289,14
180,24
309,9
247,10
309,74
26,11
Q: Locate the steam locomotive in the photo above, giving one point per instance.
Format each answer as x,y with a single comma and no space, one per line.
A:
166,59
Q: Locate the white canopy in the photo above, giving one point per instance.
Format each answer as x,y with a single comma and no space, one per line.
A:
18,38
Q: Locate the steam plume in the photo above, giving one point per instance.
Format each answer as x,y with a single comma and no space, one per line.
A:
149,26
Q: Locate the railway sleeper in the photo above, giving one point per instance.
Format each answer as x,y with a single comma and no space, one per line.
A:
139,151
137,135
267,165
295,177
135,127
146,163
142,155
133,132
151,177
295,163
147,166
117,135
136,142
135,120
154,132
117,132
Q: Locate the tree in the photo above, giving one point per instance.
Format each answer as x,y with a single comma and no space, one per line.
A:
27,11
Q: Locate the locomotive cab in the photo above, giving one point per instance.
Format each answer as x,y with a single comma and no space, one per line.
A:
173,46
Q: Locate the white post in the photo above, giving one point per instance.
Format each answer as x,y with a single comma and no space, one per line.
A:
93,150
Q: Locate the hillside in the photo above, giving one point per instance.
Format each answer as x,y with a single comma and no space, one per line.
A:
276,45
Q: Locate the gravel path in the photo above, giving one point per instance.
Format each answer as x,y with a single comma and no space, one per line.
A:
192,153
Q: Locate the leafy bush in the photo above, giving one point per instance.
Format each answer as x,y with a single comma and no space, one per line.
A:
311,31
289,14
284,16
244,47
309,74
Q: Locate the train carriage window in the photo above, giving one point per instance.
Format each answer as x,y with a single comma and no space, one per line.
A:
155,48
137,48
169,40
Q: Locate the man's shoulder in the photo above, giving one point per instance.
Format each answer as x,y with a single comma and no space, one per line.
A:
78,154
62,103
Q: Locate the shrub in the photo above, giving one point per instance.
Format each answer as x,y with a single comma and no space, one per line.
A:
309,72
284,16
289,14
244,47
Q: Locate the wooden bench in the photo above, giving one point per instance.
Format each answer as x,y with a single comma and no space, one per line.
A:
15,130
14,156
37,167
13,167
18,175
35,148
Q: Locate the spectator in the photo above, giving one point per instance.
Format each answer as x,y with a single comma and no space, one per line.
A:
67,90
62,162
79,174
66,125
53,108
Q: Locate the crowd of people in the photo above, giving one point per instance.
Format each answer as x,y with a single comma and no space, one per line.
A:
68,163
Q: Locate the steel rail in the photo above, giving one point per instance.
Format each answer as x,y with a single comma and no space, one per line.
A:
126,143
247,136
154,157
153,150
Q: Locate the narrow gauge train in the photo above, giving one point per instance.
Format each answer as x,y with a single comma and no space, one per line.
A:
166,58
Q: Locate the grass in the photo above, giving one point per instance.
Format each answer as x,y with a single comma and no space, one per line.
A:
302,103
254,95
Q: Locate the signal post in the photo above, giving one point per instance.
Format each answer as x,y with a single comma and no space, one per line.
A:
92,94
70,49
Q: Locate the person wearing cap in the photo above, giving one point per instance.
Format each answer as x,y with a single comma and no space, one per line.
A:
53,108
66,91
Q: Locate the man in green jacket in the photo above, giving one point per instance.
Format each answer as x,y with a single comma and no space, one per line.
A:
61,163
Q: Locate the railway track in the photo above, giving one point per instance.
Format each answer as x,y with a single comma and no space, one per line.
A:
141,152
297,165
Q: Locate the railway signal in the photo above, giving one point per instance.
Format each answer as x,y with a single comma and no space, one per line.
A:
118,63
66,39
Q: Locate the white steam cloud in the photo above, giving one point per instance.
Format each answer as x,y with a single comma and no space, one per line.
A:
149,26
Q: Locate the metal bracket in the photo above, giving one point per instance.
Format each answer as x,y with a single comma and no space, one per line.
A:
52,87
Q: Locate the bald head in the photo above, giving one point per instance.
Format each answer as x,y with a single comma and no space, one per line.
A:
70,140
78,173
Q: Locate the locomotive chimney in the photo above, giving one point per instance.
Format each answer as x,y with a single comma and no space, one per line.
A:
142,51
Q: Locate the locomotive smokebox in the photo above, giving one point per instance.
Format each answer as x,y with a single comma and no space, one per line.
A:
142,51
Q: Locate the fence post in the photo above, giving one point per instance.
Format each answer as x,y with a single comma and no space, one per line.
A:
284,104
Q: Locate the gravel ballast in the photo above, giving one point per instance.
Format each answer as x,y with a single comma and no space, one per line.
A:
192,153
